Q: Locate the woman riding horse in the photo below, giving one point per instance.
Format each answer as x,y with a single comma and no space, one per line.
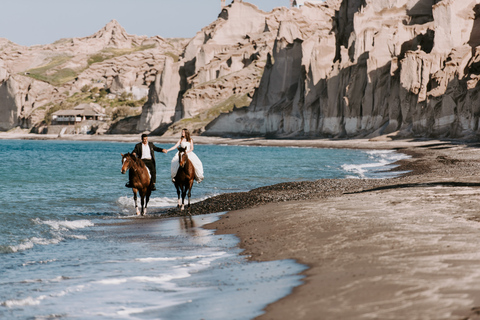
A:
183,180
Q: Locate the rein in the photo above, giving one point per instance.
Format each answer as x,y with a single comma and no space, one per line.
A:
135,165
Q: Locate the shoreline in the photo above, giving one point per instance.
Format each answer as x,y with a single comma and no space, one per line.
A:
402,248
398,248
381,143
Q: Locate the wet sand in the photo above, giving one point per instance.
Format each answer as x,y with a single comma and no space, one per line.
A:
402,248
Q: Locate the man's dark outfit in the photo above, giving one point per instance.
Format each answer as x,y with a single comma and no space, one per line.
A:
150,163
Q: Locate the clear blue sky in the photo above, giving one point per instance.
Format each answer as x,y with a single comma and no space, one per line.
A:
30,22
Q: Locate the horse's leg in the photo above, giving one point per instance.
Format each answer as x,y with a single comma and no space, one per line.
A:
142,201
184,191
147,198
190,191
178,195
135,199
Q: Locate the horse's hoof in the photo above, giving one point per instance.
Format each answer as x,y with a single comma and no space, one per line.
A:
138,213
182,208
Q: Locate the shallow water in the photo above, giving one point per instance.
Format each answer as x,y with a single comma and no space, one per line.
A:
63,252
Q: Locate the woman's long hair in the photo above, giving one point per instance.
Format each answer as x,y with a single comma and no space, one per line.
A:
187,135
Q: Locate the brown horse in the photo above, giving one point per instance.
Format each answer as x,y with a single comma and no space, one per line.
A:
184,178
140,179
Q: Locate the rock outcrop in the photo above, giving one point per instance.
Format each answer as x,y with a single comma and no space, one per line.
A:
368,68
219,68
342,68
33,79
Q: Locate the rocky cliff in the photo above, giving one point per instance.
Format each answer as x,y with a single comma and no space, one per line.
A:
343,68
359,68
35,79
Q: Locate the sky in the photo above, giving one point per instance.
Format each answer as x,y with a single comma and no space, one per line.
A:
30,22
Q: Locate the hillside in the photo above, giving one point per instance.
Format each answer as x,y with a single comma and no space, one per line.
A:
34,81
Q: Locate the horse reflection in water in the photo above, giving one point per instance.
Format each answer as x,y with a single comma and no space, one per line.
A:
188,225
184,178
140,178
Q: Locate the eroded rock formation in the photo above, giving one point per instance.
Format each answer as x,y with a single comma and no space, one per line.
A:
368,68
343,68
32,79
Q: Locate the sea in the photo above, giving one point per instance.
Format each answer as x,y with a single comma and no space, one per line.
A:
68,249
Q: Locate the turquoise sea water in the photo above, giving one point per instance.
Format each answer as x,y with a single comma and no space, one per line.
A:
64,255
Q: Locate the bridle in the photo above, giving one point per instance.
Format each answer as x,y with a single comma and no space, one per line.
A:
182,153
127,160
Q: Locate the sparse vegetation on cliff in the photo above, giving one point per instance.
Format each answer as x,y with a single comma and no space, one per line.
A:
110,53
197,124
51,72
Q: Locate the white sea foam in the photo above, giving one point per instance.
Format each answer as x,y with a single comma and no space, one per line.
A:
381,160
56,279
30,301
58,228
173,274
30,243
28,263
80,237
62,225
362,169
127,203
214,255
161,202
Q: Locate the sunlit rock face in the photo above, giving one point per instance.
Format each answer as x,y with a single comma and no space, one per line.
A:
110,59
342,68
368,68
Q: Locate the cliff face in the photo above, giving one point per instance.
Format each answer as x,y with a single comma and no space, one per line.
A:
344,68
222,66
219,68
364,68
33,79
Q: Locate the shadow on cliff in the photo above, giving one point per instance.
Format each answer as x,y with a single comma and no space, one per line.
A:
474,40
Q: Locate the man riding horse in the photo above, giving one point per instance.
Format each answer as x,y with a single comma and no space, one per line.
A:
146,151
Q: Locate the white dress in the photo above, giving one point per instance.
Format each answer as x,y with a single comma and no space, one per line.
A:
197,164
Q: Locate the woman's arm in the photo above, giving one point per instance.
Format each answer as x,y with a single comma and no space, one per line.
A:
175,146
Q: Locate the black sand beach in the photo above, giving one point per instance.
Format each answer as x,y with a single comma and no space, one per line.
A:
401,248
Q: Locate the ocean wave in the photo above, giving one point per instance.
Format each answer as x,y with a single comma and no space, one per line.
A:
390,156
63,225
156,259
381,160
29,263
30,243
31,301
23,302
56,279
173,274
58,229
127,203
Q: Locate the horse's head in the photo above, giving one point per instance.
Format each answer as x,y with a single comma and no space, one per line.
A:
126,162
182,156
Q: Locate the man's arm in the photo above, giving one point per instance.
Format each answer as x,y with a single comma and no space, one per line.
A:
155,148
136,152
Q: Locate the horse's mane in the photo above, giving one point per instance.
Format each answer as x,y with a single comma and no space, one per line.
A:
136,160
